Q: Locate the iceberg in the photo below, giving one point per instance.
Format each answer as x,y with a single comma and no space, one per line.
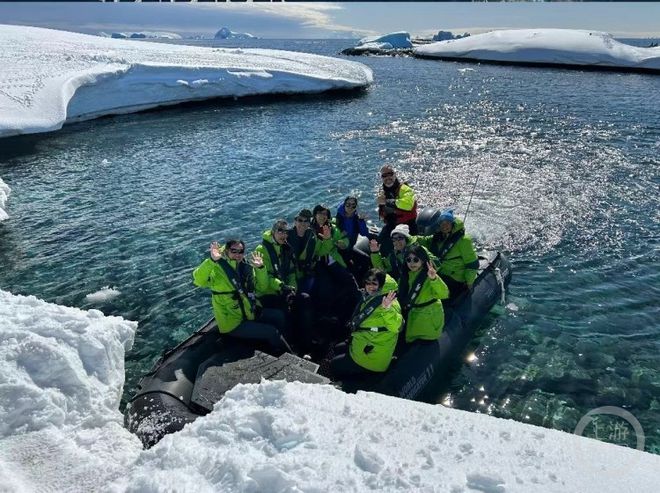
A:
225,33
554,47
62,370
445,35
399,39
387,44
144,35
54,77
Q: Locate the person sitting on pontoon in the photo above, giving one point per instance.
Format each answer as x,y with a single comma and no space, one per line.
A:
455,254
278,261
421,291
375,326
233,283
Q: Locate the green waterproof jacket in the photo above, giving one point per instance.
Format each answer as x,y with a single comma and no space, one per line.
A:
393,263
229,307
374,340
425,317
281,271
339,240
460,262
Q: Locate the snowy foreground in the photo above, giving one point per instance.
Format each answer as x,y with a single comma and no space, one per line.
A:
53,77
60,430
546,46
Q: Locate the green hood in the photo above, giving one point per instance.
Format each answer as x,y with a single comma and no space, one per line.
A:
268,236
390,285
458,225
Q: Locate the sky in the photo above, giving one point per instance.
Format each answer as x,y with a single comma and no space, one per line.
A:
336,19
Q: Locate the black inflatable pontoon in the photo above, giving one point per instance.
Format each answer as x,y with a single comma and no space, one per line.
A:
188,380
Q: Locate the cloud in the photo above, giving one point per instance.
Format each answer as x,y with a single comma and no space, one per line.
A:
312,17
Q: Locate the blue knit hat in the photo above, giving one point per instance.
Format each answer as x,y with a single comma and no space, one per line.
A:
446,215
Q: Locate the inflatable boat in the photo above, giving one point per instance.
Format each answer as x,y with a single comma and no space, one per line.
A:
189,379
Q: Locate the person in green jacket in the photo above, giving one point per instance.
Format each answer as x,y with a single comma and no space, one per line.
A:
392,263
421,291
321,219
456,257
375,326
233,282
278,262
307,248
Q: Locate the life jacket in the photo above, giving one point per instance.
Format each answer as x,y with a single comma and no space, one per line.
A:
280,263
396,267
408,298
363,311
440,247
305,245
400,216
241,281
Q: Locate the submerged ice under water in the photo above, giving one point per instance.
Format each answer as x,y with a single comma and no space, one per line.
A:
567,171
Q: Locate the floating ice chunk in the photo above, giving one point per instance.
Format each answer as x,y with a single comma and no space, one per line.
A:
106,293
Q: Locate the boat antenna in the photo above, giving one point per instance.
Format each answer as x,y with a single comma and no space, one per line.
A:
470,202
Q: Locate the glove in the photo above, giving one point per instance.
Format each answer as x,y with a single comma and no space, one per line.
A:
287,290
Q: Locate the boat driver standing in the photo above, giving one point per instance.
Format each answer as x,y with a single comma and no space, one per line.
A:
396,205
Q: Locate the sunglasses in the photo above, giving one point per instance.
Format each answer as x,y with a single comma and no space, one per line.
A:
370,282
387,174
280,230
236,251
350,205
398,238
302,220
412,259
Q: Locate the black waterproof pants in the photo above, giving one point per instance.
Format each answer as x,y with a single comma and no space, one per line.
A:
268,327
342,365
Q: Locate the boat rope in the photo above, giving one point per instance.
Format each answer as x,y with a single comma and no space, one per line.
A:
500,280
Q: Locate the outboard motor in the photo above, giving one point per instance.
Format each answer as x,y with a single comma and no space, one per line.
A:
427,221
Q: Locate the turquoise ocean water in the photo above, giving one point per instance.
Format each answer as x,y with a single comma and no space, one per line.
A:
567,179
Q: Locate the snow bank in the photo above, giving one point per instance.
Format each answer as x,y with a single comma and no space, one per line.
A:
4,194
399,39
61,378
53,77
61,371
301,437
546,46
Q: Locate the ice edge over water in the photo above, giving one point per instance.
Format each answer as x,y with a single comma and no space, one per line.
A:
546,46
55,77
62,372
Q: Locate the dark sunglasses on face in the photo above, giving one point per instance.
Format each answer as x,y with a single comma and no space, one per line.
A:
280,230
387,174
302,220
412,259
236,250
350,205
370,282
398,238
